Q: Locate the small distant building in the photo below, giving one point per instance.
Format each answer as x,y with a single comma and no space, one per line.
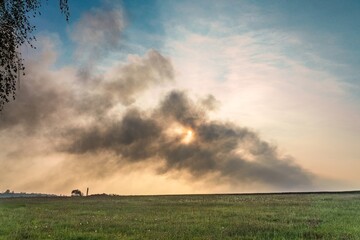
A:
76,193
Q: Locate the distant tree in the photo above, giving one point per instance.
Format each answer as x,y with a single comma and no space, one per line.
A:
76,193
7,191
16,30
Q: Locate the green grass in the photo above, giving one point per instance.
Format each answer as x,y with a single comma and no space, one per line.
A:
290,216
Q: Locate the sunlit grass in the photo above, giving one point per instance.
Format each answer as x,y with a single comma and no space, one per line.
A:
313,216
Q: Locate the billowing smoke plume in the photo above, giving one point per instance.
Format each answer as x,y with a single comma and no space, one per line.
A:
58,115
142,73
179,134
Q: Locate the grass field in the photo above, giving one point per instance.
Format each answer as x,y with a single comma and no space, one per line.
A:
288,216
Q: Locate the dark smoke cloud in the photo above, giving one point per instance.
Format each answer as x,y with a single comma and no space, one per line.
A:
131,138
126,81
210,103
231,153
43,96
122,84
46,98
35,104
51,102
66,112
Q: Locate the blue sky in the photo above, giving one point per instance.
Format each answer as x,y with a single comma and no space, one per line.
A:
329,29
286,70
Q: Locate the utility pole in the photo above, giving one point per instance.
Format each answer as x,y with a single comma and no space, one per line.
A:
87,191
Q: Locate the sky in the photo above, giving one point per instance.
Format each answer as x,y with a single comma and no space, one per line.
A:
175,97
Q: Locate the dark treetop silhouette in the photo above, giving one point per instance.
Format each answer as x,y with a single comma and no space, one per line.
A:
76,193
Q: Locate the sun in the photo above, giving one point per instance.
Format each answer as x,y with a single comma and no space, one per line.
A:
185,134
188,136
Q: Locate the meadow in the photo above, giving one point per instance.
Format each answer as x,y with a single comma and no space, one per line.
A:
269,216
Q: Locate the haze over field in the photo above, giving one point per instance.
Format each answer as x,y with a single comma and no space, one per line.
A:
154,97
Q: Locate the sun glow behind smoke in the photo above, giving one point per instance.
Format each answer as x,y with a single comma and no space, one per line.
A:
188,136
184,134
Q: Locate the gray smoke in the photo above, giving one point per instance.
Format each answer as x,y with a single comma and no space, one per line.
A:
123,83
43,96
98,32
35,104
54,102
231,153
152,69
45,99
62,111
210,103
